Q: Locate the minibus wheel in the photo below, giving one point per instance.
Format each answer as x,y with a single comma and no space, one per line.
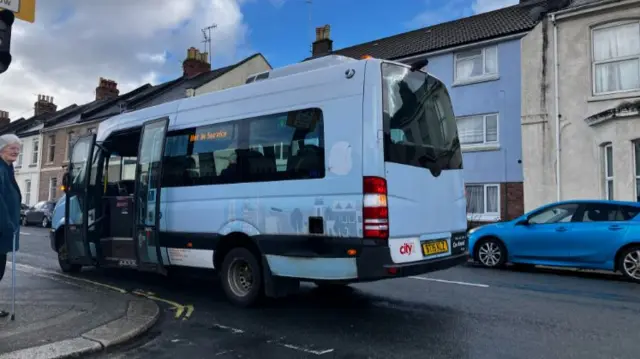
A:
63,260
241,277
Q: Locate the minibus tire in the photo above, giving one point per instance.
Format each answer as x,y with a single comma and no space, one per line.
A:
232,282
64,264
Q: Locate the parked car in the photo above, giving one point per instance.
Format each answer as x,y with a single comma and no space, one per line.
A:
23,209
585,234
40,214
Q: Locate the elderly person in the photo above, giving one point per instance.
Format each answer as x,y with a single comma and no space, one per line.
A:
10,199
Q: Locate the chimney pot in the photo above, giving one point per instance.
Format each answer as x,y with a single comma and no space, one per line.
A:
44,105
323,44
106,89
195,63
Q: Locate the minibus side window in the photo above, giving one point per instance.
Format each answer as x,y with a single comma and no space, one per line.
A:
277,147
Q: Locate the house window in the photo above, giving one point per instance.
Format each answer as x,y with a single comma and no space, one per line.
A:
478,130
616,57
636,147
476,64
608,171
20,156
483,200
27,191
70,139
53,187
35,151
52,148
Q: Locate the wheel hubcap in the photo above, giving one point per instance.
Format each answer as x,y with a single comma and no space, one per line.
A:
489,254
240,277
631,264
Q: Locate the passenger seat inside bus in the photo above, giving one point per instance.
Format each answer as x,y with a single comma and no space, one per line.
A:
308,162
255,165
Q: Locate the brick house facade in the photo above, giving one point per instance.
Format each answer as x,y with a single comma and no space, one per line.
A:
55,158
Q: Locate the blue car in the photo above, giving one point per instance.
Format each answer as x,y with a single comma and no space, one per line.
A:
585,234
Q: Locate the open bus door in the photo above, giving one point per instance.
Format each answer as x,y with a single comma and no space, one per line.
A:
147,196
76,211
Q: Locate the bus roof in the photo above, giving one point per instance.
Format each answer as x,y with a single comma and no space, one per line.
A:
296,75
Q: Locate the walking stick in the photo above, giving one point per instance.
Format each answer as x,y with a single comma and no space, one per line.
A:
13,278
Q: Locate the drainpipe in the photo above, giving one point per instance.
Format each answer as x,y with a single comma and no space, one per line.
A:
556,67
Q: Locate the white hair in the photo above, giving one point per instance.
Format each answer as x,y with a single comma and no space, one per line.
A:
9,139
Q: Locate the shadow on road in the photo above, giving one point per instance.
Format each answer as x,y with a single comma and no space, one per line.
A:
562,272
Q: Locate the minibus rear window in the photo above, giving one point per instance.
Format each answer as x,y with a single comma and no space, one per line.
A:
419,123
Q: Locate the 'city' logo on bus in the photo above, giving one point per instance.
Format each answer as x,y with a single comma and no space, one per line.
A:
406,249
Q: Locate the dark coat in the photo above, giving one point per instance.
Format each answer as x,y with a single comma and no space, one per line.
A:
10,200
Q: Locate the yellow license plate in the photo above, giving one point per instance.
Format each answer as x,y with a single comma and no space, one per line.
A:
437,247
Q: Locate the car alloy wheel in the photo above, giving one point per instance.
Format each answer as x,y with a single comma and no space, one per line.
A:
490,254
631,264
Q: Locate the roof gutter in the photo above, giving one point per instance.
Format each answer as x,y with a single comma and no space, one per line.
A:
586,8
462,47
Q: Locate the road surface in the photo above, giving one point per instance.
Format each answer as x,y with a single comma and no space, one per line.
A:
464,312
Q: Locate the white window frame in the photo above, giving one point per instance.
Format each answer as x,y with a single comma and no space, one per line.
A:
484,130
618,59
53,189
485,75
70,136
608,179
27,192
51,154
35,151
20,156
486,216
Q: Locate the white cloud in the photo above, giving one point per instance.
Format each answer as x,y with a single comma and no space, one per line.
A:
480,6
75,42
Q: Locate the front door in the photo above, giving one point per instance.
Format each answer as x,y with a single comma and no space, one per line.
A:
547,236
76,201
147,196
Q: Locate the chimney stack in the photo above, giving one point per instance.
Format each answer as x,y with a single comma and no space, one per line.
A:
196,63
4,118
106,89
323,44
44,105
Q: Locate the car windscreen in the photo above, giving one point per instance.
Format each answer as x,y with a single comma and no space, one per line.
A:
419,123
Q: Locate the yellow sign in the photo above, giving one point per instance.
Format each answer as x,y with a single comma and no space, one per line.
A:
23,9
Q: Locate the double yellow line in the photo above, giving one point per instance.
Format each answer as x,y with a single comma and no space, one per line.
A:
179,308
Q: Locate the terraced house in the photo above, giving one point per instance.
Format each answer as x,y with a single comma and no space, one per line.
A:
478,58
581,103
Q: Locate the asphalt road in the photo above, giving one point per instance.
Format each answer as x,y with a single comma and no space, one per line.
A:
465,312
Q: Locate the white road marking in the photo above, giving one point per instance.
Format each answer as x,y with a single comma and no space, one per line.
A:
25,234
301,349
232,330
452,282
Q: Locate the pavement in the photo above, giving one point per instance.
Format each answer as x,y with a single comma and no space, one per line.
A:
58,316
463,312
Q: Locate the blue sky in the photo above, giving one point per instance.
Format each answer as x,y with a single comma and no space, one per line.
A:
283,34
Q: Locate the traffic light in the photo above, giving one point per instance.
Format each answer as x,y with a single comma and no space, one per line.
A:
6,22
